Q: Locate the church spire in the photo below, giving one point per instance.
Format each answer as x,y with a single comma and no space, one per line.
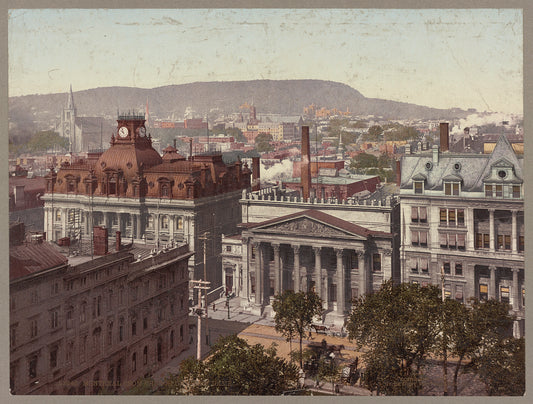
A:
70,101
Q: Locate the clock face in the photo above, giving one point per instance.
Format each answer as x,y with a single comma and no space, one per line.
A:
123,131
142,131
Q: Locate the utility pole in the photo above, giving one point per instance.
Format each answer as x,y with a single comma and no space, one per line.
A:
204,237
200,285
444,339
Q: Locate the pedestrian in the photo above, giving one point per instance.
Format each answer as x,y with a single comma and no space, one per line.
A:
214,307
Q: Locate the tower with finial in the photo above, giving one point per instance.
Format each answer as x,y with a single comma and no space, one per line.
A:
68,122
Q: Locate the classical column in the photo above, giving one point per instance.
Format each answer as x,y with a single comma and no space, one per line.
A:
340,281
258,273
361,256
471,281
265,271
138,230
516,294
157,224
296,249
119,222
106,221
172,225
277,270
246,268
514,232
318,271
64,214
491,229
492,290
469,219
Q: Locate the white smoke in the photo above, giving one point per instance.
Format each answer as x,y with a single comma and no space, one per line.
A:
277,172
479,119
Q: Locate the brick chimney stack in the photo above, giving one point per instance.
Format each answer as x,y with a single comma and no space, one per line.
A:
444,137
256,175
100,240
306,163
118,241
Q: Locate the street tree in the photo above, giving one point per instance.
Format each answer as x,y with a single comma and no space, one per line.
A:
373,134
295,313
234,368
398,326
262,142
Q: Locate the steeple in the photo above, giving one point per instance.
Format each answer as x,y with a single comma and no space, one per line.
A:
70,101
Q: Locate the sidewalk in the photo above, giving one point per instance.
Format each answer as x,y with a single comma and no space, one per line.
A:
260,329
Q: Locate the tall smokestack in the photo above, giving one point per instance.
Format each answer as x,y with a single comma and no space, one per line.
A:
306,166
256,174
444,137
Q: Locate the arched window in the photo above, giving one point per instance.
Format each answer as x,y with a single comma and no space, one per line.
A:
164,222
179,223
133,362
145,355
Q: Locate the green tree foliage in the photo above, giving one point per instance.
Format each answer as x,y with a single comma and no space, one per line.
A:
236,133
402,133
398,326
47,140
234,368
502,367
262,142
364,160
374,134
295,313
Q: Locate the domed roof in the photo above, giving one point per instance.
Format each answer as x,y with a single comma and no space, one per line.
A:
129,157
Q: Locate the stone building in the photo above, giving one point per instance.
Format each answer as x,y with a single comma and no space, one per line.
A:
149,198
339,248
89,326
463,214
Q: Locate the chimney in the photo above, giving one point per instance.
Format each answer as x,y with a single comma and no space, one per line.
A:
435,154
306,167
398,173
190,149
256,175
100,240
19,195
117,241
174,143
444,137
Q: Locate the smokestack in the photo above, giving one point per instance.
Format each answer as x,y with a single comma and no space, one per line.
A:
174,143
190,149
444,137
100,240
398,173
118,241
306,159
256,167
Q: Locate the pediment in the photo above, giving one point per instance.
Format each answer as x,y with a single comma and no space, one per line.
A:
306,226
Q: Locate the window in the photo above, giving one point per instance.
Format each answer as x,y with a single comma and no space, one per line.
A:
376,262
110,334
58,215
452,241
150,223
179,223
446,266
181,333
164,191
460,217
33,328
483,292
121,330
418,214
99,306
53,357
164,222
419,238
83,312
482,240
504,294
458,269
516,191
54,319
133,362
419,187
504,242
488,190
133,328
521,243
145,355
499,191
171,339
32,367
54,290
333,292
145,323
459,293
451,188
228,248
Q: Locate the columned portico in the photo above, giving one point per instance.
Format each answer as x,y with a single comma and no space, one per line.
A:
315,255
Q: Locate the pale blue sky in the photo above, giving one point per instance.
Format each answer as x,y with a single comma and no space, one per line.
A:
439,58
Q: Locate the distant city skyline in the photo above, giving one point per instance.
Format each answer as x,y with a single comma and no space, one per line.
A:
468,58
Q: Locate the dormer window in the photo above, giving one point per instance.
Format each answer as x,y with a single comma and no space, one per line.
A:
418,187
517,191
451,188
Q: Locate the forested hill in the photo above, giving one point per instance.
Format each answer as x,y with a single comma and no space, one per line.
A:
286,97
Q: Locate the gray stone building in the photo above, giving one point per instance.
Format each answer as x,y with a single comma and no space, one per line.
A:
463,214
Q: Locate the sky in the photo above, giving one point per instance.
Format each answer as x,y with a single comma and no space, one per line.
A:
468,58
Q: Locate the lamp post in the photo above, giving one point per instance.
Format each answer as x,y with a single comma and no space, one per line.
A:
227,304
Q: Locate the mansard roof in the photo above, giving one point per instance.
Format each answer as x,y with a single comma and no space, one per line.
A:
469,168
27,259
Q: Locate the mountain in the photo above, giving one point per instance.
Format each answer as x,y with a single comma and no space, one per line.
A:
287,97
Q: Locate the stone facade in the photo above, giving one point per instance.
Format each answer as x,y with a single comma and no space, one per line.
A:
98,325
463,214
340,249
